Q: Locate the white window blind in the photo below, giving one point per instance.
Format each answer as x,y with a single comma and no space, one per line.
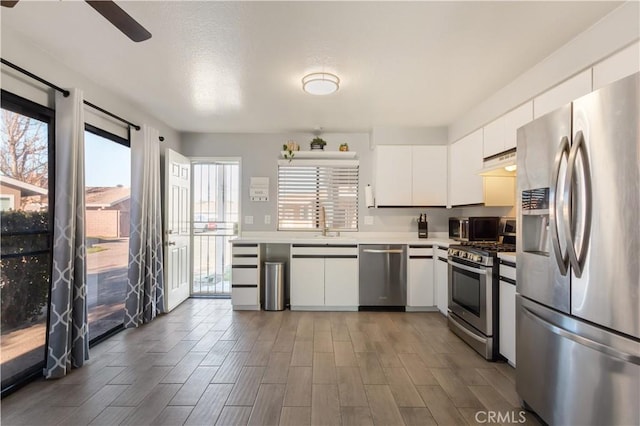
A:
304,189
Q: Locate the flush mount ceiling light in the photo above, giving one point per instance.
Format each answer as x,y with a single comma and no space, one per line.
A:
511,168
320,83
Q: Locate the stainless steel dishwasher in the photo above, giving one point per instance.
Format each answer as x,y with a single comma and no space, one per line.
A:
383,276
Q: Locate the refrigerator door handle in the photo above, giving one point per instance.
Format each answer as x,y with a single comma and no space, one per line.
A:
609,350
562,259
578,256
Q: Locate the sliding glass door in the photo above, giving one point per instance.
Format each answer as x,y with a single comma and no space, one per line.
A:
26,151
107,201
216,195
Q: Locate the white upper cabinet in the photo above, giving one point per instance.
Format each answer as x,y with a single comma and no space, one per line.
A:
563,93
429,175
514,120
494,137
393,175
501,135
411,175
620,65
466,161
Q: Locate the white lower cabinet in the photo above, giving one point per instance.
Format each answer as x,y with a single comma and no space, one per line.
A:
340,282
245,277
307,282
420,285
442,281
324,277
507,313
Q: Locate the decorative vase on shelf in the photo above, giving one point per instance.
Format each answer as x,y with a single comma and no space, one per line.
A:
289,150
317,144
344,147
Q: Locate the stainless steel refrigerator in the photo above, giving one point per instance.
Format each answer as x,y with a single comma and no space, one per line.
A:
578,255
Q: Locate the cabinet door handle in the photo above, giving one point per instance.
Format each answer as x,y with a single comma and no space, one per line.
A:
383,251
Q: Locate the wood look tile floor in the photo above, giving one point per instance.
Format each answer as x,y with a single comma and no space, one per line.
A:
204,364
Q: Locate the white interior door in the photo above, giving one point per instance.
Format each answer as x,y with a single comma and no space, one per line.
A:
178,226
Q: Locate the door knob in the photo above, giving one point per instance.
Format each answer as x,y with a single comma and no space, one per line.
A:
171,243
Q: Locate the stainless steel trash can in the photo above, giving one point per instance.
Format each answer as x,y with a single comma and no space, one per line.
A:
274,286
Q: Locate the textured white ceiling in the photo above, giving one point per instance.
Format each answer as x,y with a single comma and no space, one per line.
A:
236,66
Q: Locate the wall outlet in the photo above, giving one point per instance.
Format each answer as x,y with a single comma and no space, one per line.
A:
368,220
248,220
267,219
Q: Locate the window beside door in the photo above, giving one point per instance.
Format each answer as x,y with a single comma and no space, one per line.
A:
215,211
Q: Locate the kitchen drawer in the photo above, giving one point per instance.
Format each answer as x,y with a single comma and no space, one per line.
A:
421,251
245,249
326,250
442,252
244,296
244,276
247,259
507,271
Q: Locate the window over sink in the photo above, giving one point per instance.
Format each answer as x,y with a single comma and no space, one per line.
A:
305,189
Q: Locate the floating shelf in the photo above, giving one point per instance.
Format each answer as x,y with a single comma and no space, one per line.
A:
320,154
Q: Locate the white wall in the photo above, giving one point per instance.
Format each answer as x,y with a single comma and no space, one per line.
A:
613,33
392,135
618,29
260,155
22,52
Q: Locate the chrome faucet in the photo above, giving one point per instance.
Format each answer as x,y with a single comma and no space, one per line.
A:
323,221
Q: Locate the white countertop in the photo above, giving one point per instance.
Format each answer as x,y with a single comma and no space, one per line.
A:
508,256
286,237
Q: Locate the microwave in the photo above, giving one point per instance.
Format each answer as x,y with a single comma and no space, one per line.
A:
479,228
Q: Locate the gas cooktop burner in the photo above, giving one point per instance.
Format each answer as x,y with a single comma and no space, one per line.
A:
489,246
482,253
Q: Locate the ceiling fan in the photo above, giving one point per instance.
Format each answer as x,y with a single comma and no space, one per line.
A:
112,13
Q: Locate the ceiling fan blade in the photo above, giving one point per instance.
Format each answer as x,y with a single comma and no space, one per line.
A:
9,3
120,19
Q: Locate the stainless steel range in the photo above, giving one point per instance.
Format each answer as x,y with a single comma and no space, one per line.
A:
473,294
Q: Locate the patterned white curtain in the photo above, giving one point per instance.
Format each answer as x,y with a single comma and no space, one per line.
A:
145,292
68,344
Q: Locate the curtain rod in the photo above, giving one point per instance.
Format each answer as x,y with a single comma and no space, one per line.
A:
35,77
112,115
65,93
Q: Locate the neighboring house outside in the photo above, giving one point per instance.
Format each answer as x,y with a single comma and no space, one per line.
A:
18,195
107,211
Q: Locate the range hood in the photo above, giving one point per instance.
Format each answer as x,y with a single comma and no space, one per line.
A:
503,164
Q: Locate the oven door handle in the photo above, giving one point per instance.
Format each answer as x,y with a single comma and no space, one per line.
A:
465,331
468,268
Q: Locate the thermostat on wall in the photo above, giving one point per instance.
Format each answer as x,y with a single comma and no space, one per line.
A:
259,189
